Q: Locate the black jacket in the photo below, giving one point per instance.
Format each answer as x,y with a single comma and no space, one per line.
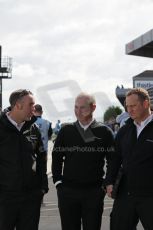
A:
79,160
22,157
136,157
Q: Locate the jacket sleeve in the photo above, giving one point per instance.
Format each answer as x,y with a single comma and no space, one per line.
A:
42,162
57,156
114,161
109,151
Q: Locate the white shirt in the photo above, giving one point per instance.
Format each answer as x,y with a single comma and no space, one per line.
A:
143,124
86,126
18,126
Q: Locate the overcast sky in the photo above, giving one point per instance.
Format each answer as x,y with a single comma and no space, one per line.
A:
61,47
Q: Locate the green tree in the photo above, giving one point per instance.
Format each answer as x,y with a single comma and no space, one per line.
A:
111,113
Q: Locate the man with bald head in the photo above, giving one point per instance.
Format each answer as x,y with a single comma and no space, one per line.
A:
78,161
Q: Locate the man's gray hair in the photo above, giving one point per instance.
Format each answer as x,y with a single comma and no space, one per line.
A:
90,97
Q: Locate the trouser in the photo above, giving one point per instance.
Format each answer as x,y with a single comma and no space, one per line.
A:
118,217
128,210
80,206
20,211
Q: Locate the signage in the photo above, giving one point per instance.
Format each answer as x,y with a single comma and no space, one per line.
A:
143,84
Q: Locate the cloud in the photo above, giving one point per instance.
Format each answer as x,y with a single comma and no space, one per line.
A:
82,41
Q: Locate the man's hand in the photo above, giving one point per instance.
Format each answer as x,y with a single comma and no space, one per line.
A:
109,189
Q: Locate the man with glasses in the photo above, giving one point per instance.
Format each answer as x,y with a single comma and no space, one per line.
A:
23,179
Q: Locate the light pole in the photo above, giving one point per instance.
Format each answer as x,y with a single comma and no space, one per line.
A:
5,71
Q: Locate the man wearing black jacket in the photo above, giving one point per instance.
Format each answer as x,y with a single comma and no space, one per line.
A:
78,161
134,152
23,179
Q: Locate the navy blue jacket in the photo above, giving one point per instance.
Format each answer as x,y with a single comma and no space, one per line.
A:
136,157
22,157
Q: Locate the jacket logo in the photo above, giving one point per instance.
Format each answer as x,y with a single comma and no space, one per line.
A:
149,140
26,131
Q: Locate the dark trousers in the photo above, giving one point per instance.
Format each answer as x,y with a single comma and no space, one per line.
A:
80,206
120,215
20,210
128,210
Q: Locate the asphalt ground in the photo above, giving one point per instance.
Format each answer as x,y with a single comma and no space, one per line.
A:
50,219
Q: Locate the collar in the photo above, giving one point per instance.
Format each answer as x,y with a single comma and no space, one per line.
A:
86,126
18,126
145,122
38,116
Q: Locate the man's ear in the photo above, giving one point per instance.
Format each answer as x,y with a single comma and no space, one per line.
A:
93,107
146,104
18,105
